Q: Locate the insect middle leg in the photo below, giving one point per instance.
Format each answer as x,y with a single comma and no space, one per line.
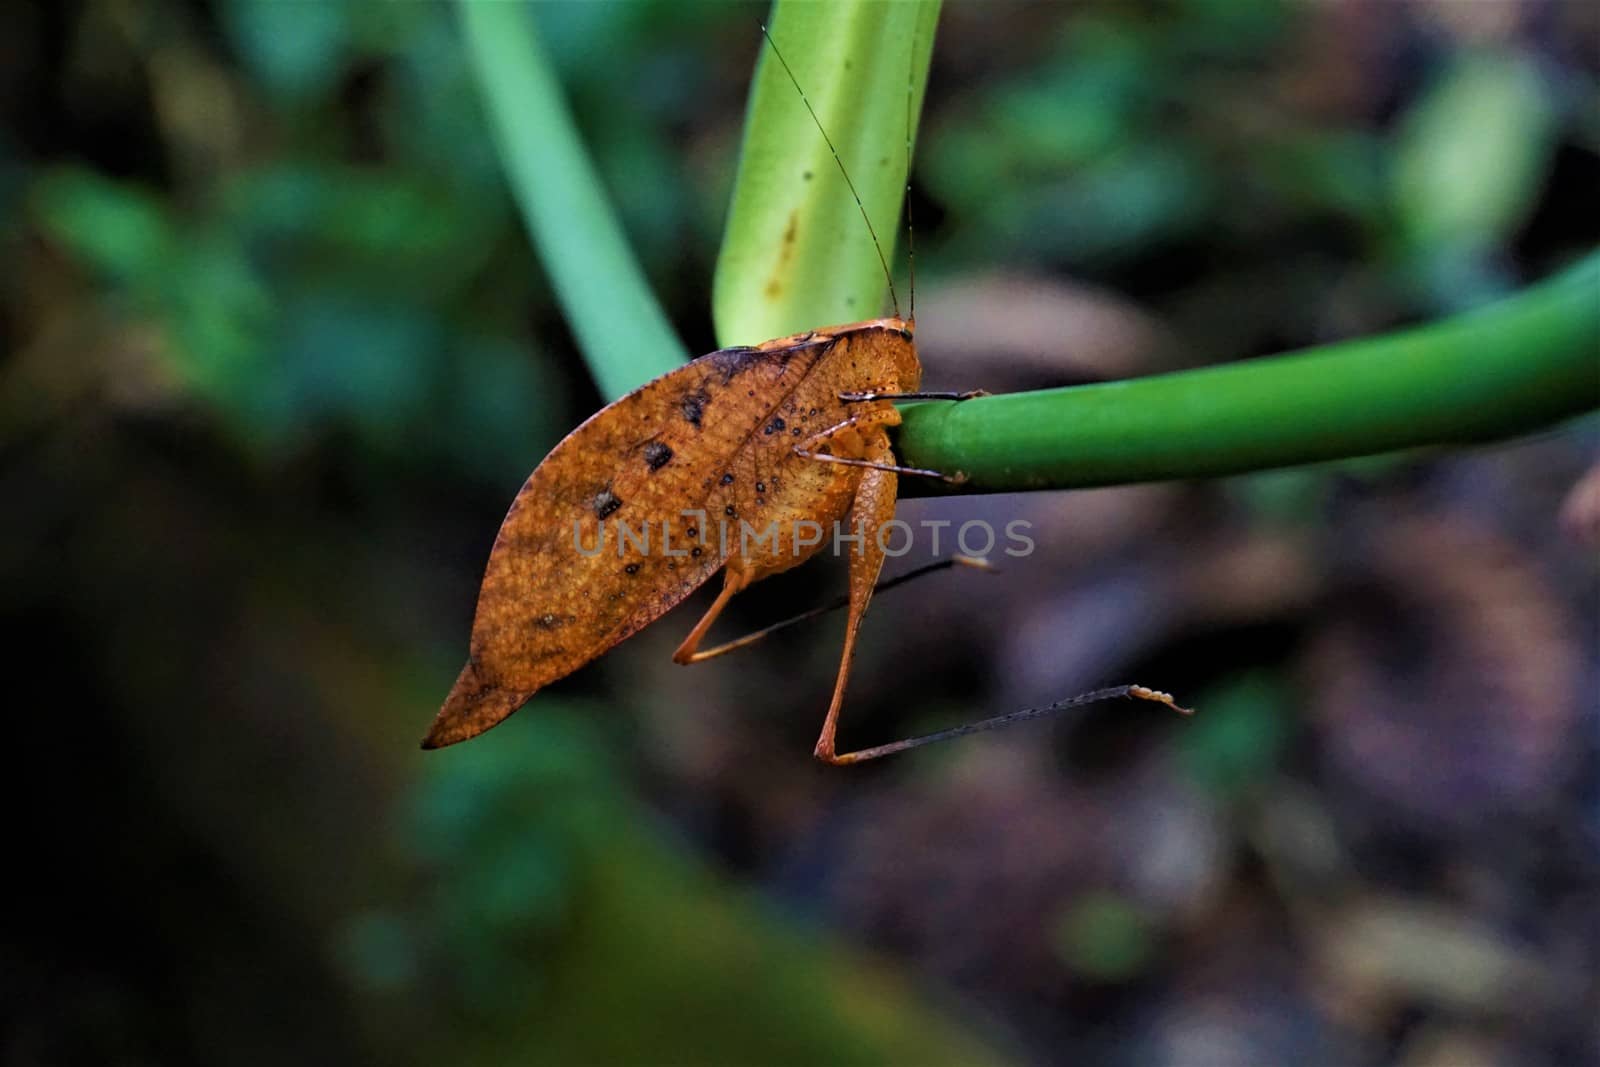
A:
975,562
733,580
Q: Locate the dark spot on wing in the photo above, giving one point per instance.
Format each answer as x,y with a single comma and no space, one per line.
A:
657,455
731,362
693,406
761,487
548,622
727,479
605,503
730,511
632,568
775,426
697,551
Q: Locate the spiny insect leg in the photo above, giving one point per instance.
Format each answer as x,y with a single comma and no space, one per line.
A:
1134,692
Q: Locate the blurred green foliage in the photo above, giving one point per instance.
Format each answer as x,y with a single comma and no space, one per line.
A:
557,922
1091,167
316,292
1103,937
1236,745
1469,160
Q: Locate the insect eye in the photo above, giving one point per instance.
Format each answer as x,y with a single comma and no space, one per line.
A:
905,335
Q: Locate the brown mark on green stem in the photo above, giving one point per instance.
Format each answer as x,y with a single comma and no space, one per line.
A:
785,253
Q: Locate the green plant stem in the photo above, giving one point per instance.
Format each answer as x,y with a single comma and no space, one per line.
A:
623,334
1525,362
796,254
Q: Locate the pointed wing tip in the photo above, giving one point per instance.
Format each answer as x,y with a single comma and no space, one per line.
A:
473,706
450,731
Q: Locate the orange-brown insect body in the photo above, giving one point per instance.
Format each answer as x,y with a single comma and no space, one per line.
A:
743,439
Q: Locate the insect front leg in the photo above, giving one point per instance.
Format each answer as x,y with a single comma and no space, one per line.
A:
807,448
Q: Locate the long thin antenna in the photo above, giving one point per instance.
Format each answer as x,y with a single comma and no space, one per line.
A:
895,299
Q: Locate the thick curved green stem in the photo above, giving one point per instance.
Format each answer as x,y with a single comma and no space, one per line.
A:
623,334
1511,367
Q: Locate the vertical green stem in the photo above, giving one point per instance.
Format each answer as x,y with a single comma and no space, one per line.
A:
796,254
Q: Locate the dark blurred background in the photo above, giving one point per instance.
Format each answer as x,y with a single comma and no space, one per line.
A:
276,356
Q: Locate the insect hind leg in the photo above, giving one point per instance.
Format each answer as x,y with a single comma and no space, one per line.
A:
873,506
